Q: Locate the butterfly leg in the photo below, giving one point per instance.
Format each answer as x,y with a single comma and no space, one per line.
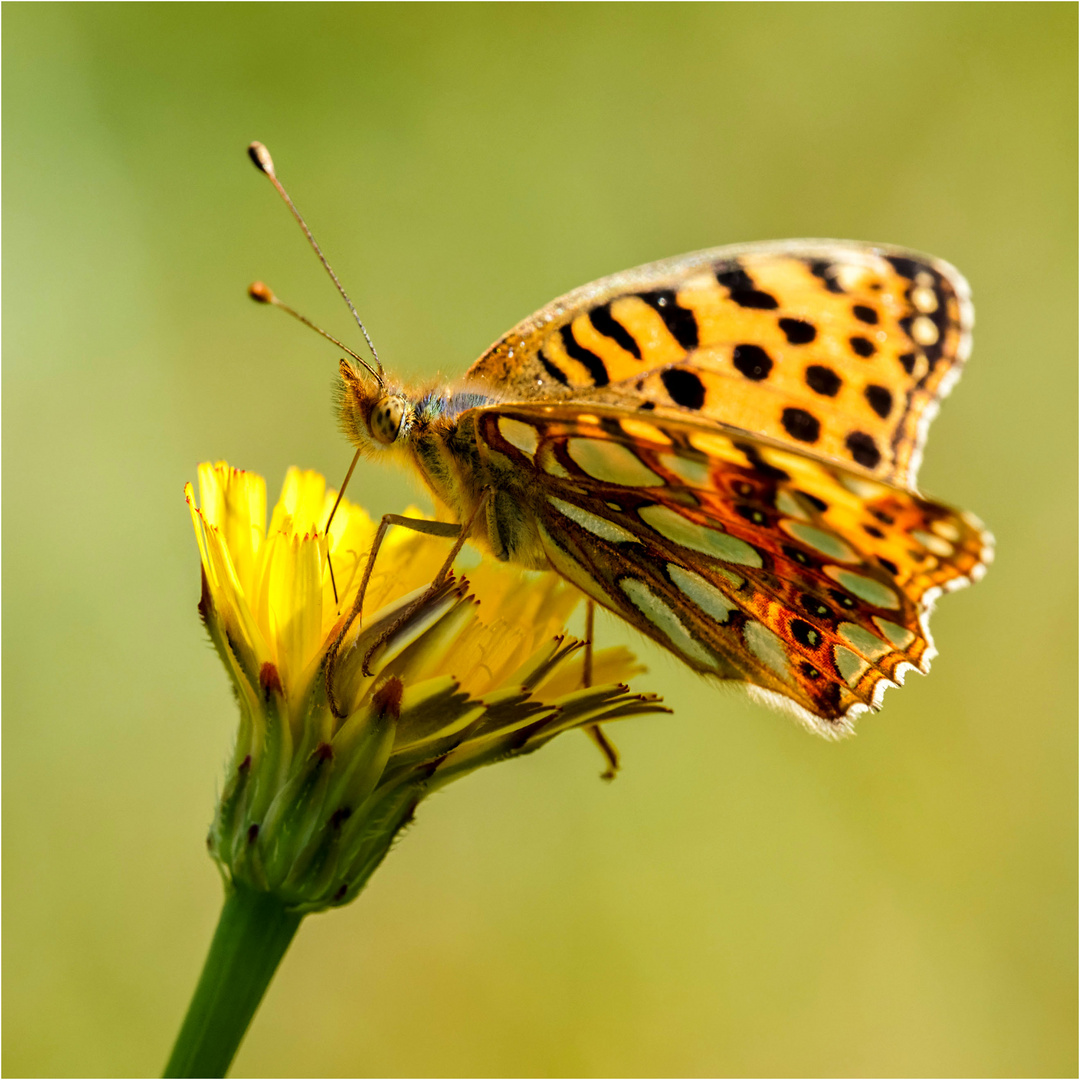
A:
431,528
462,533
595,732
590,622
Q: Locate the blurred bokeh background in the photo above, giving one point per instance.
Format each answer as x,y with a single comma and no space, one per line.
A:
745,899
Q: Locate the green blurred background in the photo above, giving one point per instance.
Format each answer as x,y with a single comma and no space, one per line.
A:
745,899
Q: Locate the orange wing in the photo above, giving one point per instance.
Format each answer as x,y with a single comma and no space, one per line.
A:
839,349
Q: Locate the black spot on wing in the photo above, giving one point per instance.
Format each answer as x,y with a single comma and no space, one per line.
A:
684,387
680,321
907,268
818,609
805,634
889,565
752,514
820,505
799,556
741,288
592,363
610,426
823,271
733,276
823,380
865,314
862,347
843,599
799,424
759,464
752,361
797,331
907,362
880,400
863,449
606,324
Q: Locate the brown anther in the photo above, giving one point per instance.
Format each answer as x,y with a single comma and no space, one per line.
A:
269,679
252,833
387,699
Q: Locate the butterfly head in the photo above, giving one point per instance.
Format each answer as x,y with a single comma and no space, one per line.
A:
373,415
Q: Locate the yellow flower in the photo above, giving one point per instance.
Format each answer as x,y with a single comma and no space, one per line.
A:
480,670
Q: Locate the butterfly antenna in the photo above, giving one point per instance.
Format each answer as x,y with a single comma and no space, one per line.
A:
265,164
263,294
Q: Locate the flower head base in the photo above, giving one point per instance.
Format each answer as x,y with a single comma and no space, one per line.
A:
480,670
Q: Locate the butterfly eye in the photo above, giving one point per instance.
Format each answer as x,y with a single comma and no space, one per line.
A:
385,422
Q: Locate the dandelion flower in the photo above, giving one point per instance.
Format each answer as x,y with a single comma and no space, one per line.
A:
477,671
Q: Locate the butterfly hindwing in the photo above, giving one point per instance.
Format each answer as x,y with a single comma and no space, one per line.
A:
753,563
841,350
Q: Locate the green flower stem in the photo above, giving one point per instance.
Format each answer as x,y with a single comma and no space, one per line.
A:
252,935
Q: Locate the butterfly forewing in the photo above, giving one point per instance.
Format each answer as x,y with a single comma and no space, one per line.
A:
839,349
808,581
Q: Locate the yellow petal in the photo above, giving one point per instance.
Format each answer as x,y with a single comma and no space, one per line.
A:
234,502
302,498
293,594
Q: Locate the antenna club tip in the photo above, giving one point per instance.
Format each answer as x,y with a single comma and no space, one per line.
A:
261,157
261,293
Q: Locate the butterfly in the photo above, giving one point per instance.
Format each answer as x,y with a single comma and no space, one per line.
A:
721,449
